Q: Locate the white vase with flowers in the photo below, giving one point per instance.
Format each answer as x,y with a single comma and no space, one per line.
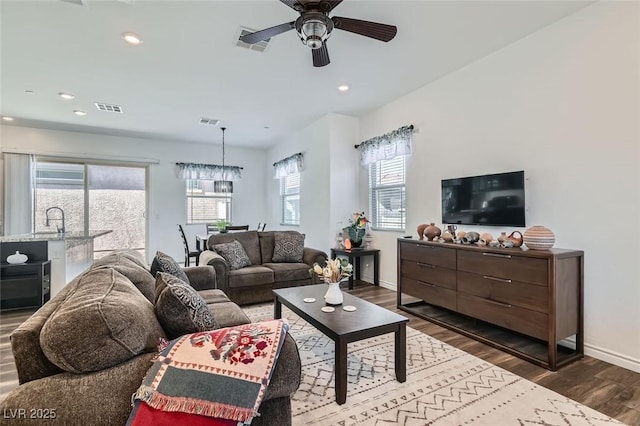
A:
335,270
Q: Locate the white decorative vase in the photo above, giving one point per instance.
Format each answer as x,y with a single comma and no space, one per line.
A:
333,296
17,258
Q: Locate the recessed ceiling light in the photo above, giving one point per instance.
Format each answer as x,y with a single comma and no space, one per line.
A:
7,118
78,112
67,96
343,87
132,38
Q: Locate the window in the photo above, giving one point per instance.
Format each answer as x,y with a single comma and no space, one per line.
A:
387,194
204,205
290,196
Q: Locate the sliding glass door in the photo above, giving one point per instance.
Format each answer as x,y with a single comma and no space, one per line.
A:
117,202
93,197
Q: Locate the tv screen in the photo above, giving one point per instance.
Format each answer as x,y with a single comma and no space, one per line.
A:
495,200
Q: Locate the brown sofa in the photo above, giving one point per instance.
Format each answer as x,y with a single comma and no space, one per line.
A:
254,283
82,355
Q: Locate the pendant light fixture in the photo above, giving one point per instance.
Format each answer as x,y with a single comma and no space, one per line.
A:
223,186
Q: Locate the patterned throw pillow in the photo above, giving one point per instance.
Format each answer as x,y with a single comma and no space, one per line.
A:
180,309
234,254
165,263
288,247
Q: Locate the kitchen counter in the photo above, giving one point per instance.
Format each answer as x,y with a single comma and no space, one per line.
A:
54,236
70,252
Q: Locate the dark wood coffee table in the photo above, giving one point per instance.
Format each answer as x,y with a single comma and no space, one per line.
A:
343,327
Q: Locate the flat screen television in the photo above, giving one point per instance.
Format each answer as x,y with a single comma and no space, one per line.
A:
492,200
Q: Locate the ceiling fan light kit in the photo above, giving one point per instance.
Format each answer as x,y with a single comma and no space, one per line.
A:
314,27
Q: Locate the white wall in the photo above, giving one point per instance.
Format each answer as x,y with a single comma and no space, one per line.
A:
563,105
329,193
167,199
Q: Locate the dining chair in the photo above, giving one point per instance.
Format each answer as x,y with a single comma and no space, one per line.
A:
237,227
187,253
261,226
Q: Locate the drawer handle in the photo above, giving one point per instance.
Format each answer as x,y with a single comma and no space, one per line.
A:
495,302
502,280
425,265
504,256
428,284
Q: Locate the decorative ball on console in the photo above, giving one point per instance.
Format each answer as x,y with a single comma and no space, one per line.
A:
471,237
485,239
432,232
539,238
447,237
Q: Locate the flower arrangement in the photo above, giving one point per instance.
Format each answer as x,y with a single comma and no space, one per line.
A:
356,229
358,220
334,271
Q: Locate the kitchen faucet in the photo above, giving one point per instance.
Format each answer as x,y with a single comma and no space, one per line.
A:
60,228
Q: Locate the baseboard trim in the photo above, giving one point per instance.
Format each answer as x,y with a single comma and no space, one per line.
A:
612,357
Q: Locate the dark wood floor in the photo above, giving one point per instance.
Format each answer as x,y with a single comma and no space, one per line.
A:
610,389
607,388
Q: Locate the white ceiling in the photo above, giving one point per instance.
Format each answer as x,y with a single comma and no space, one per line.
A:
188,66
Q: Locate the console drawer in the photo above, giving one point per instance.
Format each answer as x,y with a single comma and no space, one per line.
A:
517,268
505,315
529,296
430,293
432,274
429,254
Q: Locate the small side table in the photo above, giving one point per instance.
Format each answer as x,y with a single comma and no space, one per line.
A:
355,255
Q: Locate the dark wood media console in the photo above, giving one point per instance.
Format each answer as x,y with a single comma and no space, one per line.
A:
523,302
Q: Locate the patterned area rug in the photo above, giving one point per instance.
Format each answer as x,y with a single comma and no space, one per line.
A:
445,386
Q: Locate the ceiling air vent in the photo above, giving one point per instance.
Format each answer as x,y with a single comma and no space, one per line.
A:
260,46
211,121
108,108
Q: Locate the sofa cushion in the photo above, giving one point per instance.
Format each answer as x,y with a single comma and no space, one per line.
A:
267,243
289,271
180,309
228,314
103,322
234,254
165,263
250,276
287,247
130,268
213,296
248,239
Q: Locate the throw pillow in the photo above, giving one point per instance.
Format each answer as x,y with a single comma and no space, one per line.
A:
234,254
165,263
288,247
104,321
180,309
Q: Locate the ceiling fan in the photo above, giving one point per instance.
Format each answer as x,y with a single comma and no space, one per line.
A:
314,27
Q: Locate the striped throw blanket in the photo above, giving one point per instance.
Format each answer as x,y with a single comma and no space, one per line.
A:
215,377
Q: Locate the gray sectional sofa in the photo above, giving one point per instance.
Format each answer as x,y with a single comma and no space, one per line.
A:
276,259
84,353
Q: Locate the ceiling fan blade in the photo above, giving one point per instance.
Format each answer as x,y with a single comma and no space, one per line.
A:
267,33
321,56
382,32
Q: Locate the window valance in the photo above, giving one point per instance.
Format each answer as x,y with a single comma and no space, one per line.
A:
387,146
208,171
288,166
